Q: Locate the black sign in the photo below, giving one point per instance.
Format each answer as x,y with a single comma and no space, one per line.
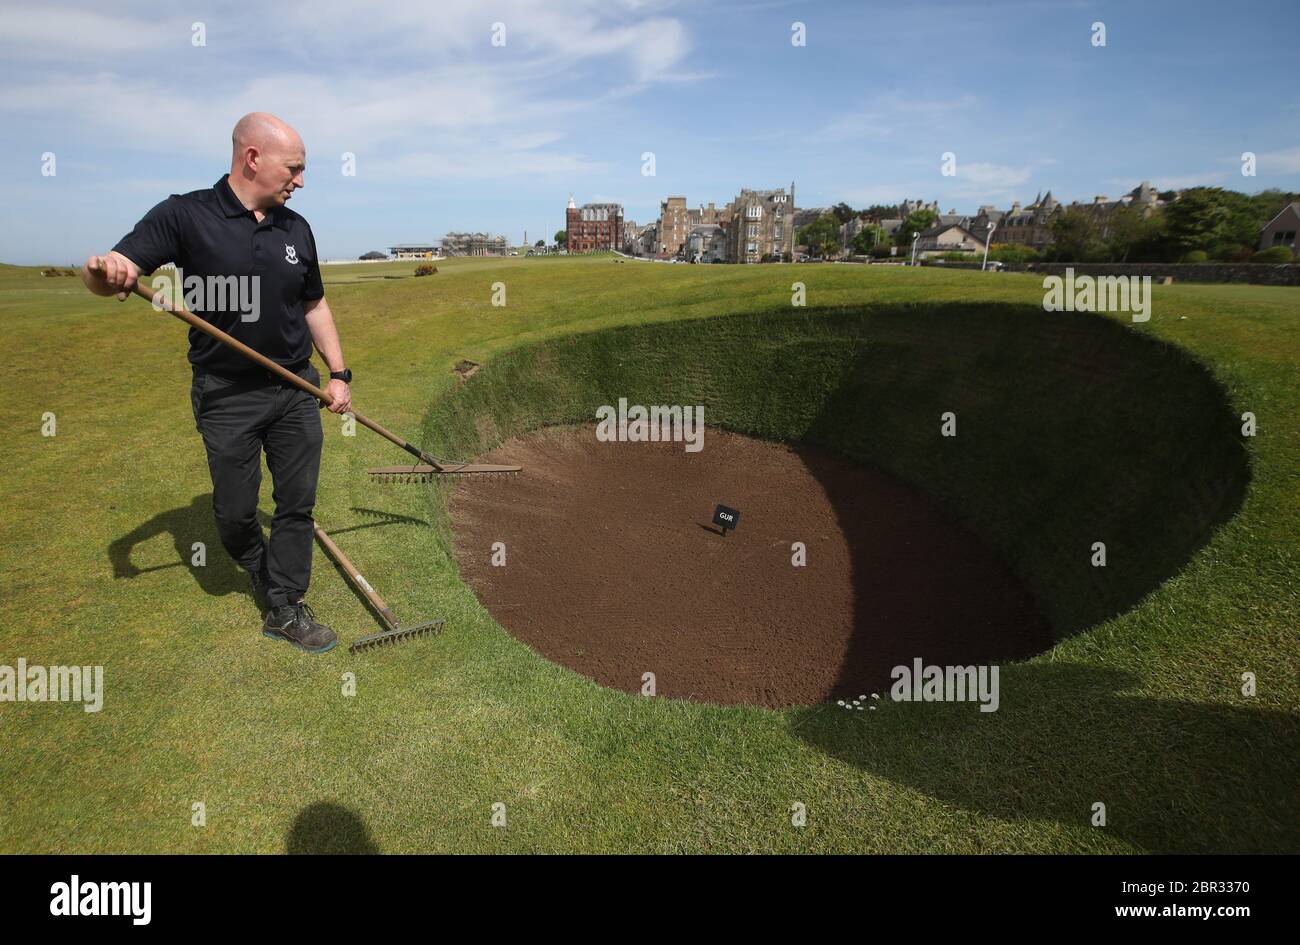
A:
725,518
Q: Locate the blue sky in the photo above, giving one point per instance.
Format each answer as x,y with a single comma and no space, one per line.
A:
453,133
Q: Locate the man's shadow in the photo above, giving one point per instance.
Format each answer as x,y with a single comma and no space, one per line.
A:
186,525
1176,777
325,827
192,523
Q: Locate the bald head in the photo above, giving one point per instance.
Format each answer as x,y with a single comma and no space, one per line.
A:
267,161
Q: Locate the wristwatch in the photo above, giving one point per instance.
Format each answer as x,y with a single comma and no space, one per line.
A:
344,375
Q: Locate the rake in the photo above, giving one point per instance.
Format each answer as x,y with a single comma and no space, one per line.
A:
395,633
431,465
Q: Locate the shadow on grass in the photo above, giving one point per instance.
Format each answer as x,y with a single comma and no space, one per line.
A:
186,525
326,827
1176,777
194,522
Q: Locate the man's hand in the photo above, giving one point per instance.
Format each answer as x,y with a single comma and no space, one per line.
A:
111,274
341,394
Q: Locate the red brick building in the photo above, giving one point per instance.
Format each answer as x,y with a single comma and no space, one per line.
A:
594,226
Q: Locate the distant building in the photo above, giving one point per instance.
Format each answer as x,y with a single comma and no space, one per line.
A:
647,240
674,226
474,244
413,251
707,243
908,207
1030,226
593,227
762,225
1282,229
702,215
809,215
948,238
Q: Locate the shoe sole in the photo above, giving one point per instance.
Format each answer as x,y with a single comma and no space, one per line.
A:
320,649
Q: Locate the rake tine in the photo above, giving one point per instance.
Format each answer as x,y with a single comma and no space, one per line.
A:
425,473
396,635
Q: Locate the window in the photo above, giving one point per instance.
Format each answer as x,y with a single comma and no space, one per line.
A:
753,230
753,212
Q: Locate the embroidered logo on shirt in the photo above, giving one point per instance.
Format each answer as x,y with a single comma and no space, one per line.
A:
290,254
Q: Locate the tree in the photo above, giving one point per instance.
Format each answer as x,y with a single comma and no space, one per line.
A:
540,243
1132,235
1269,203
917,222
868,238
562,238
825,229
1213,219
843,212
1074,236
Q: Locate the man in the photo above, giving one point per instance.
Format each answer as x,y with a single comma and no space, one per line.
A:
240,227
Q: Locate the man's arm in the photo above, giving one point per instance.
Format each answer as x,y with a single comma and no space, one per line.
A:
155,240
320,321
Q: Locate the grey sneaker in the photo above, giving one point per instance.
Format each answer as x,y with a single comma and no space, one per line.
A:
297,624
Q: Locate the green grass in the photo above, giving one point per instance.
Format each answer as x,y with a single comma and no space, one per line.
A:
1142,711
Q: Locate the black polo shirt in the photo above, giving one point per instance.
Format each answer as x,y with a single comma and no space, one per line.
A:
211,236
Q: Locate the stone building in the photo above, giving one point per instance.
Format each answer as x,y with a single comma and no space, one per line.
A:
706,243
593,227
674,227
474,244
762,225
1030,226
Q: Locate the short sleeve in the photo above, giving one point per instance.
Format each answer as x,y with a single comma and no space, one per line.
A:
156,239
312,286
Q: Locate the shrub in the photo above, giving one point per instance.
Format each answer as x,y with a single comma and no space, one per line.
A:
425,270
1012,253
1196,256
1274,254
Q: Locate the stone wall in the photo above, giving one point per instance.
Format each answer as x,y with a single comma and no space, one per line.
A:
1257,273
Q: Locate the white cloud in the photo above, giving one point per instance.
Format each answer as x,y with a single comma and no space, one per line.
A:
1281,162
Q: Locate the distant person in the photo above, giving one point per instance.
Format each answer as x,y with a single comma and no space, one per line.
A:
241,227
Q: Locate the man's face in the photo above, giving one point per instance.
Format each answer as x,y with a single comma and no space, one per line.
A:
280,171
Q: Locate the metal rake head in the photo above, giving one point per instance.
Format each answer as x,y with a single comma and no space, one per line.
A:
395,635
425,473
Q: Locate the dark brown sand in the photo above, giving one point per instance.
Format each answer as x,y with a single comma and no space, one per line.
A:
614,569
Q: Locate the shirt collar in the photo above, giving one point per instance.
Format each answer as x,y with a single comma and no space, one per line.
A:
231,206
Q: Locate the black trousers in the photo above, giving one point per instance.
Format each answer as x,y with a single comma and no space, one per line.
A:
239,417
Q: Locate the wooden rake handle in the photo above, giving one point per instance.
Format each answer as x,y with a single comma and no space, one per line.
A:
162,305
360,583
